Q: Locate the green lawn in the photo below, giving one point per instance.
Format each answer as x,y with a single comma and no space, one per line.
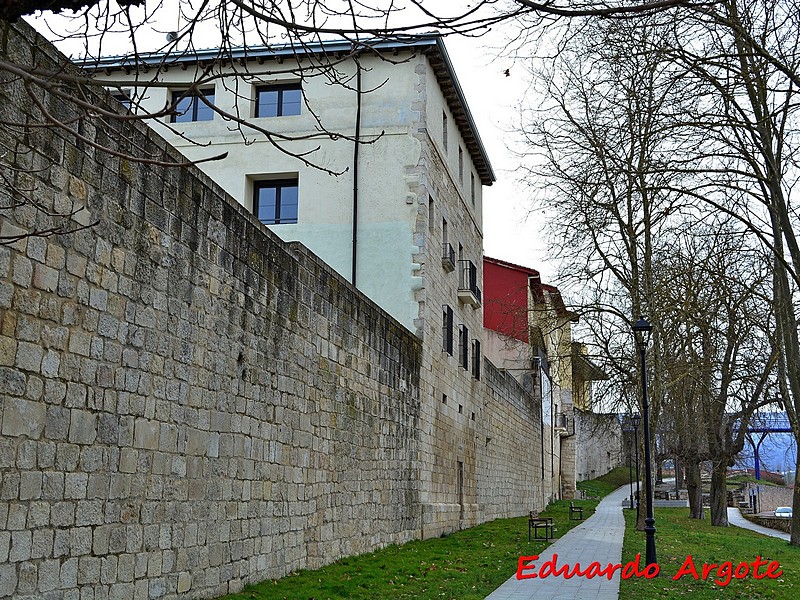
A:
466,565
603,486
469,564
677,537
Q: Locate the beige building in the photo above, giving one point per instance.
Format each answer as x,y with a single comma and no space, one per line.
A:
379,212
528,332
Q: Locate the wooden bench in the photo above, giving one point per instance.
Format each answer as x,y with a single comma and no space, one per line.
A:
535,522
575,512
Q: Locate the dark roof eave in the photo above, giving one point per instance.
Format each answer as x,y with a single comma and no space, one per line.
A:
589,370
462,114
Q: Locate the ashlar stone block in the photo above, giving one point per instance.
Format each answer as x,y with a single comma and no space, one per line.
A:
8,580
82,427
23,417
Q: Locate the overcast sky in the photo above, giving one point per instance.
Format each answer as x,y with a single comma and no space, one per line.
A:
510,233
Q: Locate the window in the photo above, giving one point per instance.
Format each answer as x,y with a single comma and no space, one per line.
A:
279,100
476,359
463,346
460,165
447,329
275,201
190,107
431,214
472,187
123,97
444,230
444,131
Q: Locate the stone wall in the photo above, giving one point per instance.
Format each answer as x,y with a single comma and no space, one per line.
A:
770,497
187,402
190,404
453,399
598,444
509,440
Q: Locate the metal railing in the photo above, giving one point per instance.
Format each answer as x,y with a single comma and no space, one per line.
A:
448,256
468,279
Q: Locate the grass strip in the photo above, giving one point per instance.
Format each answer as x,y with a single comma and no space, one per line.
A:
465,565
678,536
603,486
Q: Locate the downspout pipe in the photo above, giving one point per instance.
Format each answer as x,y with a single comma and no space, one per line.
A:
356,150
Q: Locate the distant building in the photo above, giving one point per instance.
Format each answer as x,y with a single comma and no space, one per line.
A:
528,332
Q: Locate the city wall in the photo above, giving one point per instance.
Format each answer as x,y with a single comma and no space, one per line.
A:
188,403
598,444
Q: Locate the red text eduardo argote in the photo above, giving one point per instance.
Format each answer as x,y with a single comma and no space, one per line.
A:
722,573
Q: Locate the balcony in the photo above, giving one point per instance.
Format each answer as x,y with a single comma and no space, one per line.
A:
468,290
448,257
564,424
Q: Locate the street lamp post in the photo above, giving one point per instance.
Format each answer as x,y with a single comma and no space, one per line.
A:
636,419
630,466
642,330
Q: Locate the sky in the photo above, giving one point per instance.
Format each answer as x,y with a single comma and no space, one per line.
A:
510,233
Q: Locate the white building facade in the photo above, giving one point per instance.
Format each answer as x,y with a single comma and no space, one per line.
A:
370,210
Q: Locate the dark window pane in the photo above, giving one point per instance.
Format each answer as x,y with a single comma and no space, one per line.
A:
183,107
288,213
289,194
267,103
205,112
266,205
278,101
190,108
123,99
291,102
276,202
288,201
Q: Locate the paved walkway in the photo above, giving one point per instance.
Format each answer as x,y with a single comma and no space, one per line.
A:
598,538
736,518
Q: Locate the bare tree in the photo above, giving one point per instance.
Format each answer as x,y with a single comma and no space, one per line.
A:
623,154
744,58
600,152
715,314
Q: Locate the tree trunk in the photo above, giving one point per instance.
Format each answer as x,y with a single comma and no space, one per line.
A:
794,534
694,487
719,493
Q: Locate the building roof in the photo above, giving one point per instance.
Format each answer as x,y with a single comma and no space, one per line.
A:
431,46
538,288
502,263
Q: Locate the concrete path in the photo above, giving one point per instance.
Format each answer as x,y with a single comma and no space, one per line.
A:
735,518
598,538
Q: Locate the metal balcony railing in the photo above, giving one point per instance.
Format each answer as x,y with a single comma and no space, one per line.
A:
448,257
468,290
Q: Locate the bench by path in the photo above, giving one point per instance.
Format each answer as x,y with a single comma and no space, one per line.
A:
598,538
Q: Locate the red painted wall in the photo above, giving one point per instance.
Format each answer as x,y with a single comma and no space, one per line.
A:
505,298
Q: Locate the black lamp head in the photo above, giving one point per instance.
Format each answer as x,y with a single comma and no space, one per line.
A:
642,330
